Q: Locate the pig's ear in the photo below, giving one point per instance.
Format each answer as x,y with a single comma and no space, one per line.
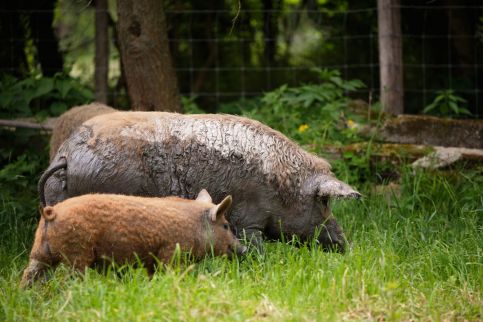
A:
220,209
204,196
328,186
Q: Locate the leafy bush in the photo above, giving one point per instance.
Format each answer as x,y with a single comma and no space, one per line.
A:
190,106
311,112
447,103
19,183
37,97
40,96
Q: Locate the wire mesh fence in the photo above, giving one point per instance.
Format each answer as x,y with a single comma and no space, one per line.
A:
229,53
264,49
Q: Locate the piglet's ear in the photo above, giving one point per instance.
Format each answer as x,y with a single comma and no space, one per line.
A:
220,209
329,186
204,196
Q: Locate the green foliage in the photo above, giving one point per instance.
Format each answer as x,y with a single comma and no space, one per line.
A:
354,168
18,189
241,107
190,106
311,112
40,96
447,103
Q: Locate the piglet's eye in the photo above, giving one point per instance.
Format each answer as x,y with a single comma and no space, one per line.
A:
226,226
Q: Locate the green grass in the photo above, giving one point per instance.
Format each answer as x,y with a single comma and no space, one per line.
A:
415,257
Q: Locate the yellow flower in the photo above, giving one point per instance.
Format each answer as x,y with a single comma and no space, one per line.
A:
303,128
351,124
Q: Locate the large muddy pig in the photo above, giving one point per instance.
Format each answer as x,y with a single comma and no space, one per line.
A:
93,228
277,187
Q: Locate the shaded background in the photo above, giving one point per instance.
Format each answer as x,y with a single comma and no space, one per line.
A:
223,53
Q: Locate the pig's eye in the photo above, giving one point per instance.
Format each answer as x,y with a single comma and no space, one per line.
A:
226,226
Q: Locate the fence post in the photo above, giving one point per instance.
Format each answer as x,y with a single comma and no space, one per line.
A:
390,56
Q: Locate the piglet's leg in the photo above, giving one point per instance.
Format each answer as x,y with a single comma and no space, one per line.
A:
34,270
165,254
81,259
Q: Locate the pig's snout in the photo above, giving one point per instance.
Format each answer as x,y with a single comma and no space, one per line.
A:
333,243
241,250
338,246
237,249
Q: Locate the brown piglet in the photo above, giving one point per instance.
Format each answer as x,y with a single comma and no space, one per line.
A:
90,229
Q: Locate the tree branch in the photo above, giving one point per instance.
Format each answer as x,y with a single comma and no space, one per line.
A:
46,125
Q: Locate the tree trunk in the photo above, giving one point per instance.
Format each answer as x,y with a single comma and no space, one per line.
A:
390,56
102,52
150,77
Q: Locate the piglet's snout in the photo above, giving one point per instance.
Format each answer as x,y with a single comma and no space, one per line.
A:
240,250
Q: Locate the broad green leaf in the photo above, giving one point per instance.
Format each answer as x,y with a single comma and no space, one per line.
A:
58,108
28,94
459,99
453,106
464,111
63,86
45,85
429,108
6,99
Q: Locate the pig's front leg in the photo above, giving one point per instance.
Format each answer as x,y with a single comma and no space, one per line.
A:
34,270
